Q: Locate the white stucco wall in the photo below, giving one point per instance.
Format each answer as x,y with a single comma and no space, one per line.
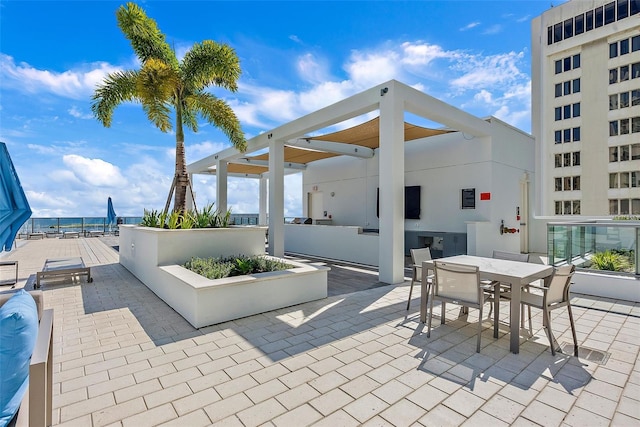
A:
442,165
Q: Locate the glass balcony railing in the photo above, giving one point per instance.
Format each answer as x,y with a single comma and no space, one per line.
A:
595,245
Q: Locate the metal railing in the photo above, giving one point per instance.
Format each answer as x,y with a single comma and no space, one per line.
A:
583,243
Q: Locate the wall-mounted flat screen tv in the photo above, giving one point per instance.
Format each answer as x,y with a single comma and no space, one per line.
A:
411,202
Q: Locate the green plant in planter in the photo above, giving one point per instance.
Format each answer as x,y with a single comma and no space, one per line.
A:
218,268
206,218
610,261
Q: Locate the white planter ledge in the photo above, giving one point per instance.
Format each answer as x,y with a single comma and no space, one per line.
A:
204,302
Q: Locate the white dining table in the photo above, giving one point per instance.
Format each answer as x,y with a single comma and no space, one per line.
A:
516,274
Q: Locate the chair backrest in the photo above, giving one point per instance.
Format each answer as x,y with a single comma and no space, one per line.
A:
420,255
457,281
559,284
511,256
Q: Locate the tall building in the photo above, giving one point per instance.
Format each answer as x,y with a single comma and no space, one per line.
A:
585,86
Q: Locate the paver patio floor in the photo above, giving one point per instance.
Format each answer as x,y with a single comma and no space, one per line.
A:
124,358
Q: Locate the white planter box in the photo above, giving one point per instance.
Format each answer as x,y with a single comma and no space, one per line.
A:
155,257
616,286
204,302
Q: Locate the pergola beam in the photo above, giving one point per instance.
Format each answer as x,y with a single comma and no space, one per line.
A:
258,162
333,147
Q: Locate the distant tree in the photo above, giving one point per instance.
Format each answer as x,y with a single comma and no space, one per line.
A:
164,84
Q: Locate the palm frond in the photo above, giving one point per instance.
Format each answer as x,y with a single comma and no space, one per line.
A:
157,86
146,38
117,87
220,114
211,63
189,117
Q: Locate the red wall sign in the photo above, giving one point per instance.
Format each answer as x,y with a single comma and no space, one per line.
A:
485,196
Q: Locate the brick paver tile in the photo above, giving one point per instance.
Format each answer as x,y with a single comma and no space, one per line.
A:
84,381
85,407
137,390
235,386
464,402
403,413
328,381
111,385
331,401
297,396
340,418
179,377
266,391
505,409
166,395
392,391
302,415
481,418
427,396
152,417
261,413
197,400
197,418
366,407
543,414
269,373
442,416
579,417
207,381
118,412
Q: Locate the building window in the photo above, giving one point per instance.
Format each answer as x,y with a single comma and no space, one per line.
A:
557,33
613,50
635,151
576,109
624,127
567,183
576,207
579,24
613,154
566,159
624,180
558,113
558,184
567,112
568,28
567,135
613,180
613,102
613,207
624,206
576,158
635,125
558,160
624,99
549,35
635,179
635,206
588,20
623,9
558,66
558,90
624,73
576,61
576,85
576,134
613,128
558,208
567,87
635,43
599,18
567,64
623,152
613,76
567,207
635,97
624,47
634,7
576,183
610,12
558,136
635,70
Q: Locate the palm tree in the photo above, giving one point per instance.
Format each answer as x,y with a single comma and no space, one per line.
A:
164,84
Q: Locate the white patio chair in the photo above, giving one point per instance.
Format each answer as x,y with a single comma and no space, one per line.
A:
417,257
555,294
457,284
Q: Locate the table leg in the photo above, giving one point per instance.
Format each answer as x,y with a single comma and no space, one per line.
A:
496,309
423,296
514,321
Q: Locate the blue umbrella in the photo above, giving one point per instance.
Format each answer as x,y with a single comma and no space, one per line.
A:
111,214
14,207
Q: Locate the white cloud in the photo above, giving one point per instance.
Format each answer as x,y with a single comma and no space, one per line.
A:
494,29
311,69
369,69
75,112
295,38
94,172
470,26
75,84
482,72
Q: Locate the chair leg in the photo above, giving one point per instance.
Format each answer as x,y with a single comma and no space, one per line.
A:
430,315
410,291
573,331
444,305
479,330
547,325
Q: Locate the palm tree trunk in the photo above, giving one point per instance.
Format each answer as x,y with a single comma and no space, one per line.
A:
181,176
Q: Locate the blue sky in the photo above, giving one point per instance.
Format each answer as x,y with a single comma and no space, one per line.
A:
296,57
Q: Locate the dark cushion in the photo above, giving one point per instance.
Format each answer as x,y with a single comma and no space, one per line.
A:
18,333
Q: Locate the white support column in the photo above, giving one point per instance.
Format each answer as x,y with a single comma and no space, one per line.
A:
221,185
262,208
276,198
391,264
